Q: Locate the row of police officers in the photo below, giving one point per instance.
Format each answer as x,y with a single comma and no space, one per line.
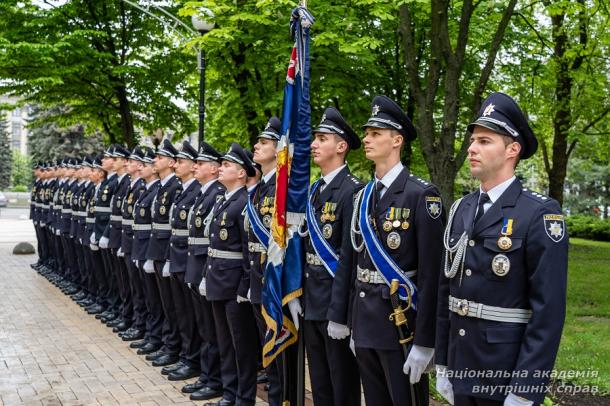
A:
169,249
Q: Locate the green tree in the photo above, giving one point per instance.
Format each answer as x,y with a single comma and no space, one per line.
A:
5,154
48,141
21,174
112,66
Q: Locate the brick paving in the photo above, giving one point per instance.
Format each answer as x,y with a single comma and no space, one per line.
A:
53,353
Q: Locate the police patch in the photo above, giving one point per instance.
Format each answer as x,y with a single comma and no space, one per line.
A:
434,206
554,226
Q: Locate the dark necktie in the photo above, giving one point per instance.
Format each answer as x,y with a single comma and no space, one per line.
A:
483,198
378,188
318,190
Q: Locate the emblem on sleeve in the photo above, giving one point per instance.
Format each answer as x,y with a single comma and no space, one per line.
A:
434,206
554,226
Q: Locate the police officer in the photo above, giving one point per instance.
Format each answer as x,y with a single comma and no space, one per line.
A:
188,364
122,309
332,367
226,282
141,236
104,305
134,283
503,293
259,213
209,383
157,253
396,230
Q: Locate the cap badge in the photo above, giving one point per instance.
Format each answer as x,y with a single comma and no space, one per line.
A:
488,110
376,109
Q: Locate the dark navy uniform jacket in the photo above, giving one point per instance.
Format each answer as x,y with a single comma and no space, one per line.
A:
179,221
143,217
52,194
102,200
198,252
536,280
420,249
46,198
158,246
77,210
327,298
113,231
228,278
90,219
128,214
33,200
65,219
258,260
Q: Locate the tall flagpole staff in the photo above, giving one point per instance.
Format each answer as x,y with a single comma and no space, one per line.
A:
201,22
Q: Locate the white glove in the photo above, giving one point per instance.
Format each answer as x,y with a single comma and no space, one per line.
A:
189,284
513,400
295,309
104,242
241,299
57,232
136,263
94,247
80,240
149,266
165,272
92,239
443,386
352,345
120,253
202,291
337,331
248,296
417,362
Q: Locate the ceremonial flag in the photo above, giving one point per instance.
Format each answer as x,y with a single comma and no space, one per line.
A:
285,253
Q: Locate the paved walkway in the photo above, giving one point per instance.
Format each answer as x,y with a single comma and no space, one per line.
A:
53,353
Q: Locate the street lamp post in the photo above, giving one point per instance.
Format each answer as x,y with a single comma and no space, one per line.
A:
201,22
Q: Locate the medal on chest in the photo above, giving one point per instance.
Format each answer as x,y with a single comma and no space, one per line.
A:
504,242
500,265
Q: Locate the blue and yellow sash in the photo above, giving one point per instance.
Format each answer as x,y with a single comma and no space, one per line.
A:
327,254
383,262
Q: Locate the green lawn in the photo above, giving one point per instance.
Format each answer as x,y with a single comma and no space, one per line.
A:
585,345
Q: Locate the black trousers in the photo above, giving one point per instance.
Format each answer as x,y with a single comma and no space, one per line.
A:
236,332
67,256
122,282
383,381
81,275
59,255
189,336
111,293
90,281
171,334
155,317
274,370
136,293
209,357
333,369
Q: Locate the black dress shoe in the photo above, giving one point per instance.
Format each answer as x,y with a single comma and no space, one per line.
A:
184,373
171,368
122,326
138,344
221,402
95,309
114,323
109,317
193,387
164,360
206,393
135,335
105,314
154,355
148,348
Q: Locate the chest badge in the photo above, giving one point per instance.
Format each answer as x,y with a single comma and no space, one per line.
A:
182,215
162,210
198,222
504,242
267,221
393,240
129,209
142,212
224,234
327,231
500,265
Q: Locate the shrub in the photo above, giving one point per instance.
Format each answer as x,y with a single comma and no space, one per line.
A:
589,227
19,188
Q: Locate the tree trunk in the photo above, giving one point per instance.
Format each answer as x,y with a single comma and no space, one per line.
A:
126,118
